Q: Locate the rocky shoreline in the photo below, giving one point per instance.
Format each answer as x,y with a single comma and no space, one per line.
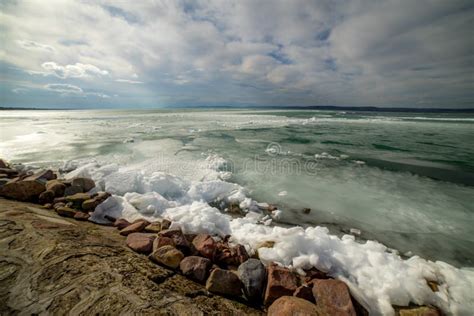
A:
212,264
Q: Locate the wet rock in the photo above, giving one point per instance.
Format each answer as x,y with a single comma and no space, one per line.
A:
314,273
306,210
42,176
3,164
9,172
46,197
48,206
162,241
252,274
134,228
56,186
205,245
196,268
3,181
59,200
140,242
66,211
290,306
419,311
281,282
121,223
81,216
58,205
90,204
86,184
305,292
179,239
168,256
224,282
154,227
25,190
333,298
77,199
73,189
165,224
434,286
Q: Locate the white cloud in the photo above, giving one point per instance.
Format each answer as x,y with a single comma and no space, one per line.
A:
32,45
77,70
129,81
64,88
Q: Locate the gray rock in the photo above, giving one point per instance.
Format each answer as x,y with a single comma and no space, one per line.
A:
224,282
196,268
73,189
85,183
253,275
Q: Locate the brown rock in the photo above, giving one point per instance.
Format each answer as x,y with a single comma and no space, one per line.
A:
3,164
434,286
141,243
205,245
230,256
293,306
48,206
121,223
168,256
134,228
306,210
314,273
179,239
56,186
25,190
42,176
165,224
66,211
333,298
90,204
73,189
419,311
154,227
162,241
305,292
224,282
81,216
196,268
281,282
85,183
58,205
9,172
46,197
59,200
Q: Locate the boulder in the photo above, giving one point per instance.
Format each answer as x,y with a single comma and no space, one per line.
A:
179,239
56,186
230,256
162,241
58,205
305,292
140,242
121,223
224,282
90,204
42,176
134,228
73,189
252,274
205,245
3,181
3,163
419,311
196,268
25,190
86,184
81,216
281,282
66,211
154,227
77,199
46,197
333,298
291,306
9,172
168,256
165,224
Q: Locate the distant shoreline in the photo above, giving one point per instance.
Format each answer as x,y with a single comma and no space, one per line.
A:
298,108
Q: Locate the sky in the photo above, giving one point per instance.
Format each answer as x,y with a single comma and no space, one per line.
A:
146,54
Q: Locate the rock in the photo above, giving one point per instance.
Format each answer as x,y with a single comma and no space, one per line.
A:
162,241
165,224
434,286
140,242
85,183
154,227
42,176
46,197
121,223
281,282
230,256
333,298
48,206
224,282
306,210
58,205
3,163
419,311
205,245
252,274
3,181
101,196
292,306
168,256
90,204
77,199
134,228
25,190
73,189
179,239
196,268
66,211
314,273
59,200
9,172
56,186
81,216
305,292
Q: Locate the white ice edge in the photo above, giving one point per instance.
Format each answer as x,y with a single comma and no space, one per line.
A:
377,278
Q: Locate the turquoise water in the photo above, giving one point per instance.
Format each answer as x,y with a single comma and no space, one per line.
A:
406,180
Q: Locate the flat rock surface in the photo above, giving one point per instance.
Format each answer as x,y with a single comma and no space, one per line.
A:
55,265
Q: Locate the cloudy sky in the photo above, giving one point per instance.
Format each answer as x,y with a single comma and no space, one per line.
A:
90,54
